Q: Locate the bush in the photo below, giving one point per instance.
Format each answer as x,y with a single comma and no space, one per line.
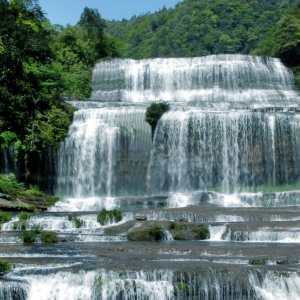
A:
7,139
154,112
108,216
10,185
172,225
156,232
28,237
201,232
32,191
4,217
49,237
78,222
4,266
178,235
37,229
24,216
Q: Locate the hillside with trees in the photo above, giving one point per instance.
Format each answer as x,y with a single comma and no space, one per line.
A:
199,27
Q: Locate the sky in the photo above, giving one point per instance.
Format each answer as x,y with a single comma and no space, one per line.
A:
68,11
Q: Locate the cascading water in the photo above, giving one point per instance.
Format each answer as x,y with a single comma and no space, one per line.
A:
198,150
217,79
197,146
106,153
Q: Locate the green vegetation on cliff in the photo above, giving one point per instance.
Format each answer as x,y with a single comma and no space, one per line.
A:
283,41
154,112
199,27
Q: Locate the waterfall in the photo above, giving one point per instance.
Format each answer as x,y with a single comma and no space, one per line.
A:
8,161
232,126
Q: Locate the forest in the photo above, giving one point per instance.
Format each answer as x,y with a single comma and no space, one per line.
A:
199,27
43,64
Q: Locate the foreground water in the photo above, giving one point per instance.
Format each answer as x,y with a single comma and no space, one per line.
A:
226,155
97,262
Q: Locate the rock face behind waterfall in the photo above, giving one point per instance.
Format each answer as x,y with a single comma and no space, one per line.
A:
233,125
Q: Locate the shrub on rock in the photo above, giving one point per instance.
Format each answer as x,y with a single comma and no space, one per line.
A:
108,216
49,237
201,232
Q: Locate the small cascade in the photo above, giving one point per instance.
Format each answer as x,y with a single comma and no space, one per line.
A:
267,199
270,287
84,204
254,232
8,160
267,235
218,233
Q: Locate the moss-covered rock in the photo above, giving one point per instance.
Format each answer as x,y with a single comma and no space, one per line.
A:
139,236
188,231
153,232
262,261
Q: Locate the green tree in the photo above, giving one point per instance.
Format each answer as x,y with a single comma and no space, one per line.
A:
287,40
91,20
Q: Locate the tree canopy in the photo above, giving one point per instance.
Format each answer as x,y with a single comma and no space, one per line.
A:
199,27
283,41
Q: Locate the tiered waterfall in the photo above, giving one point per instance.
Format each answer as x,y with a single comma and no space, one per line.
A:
226,154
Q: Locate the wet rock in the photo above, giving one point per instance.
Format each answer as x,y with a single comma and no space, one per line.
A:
280,262
62,239
15,205
141,218
202,197
183,220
